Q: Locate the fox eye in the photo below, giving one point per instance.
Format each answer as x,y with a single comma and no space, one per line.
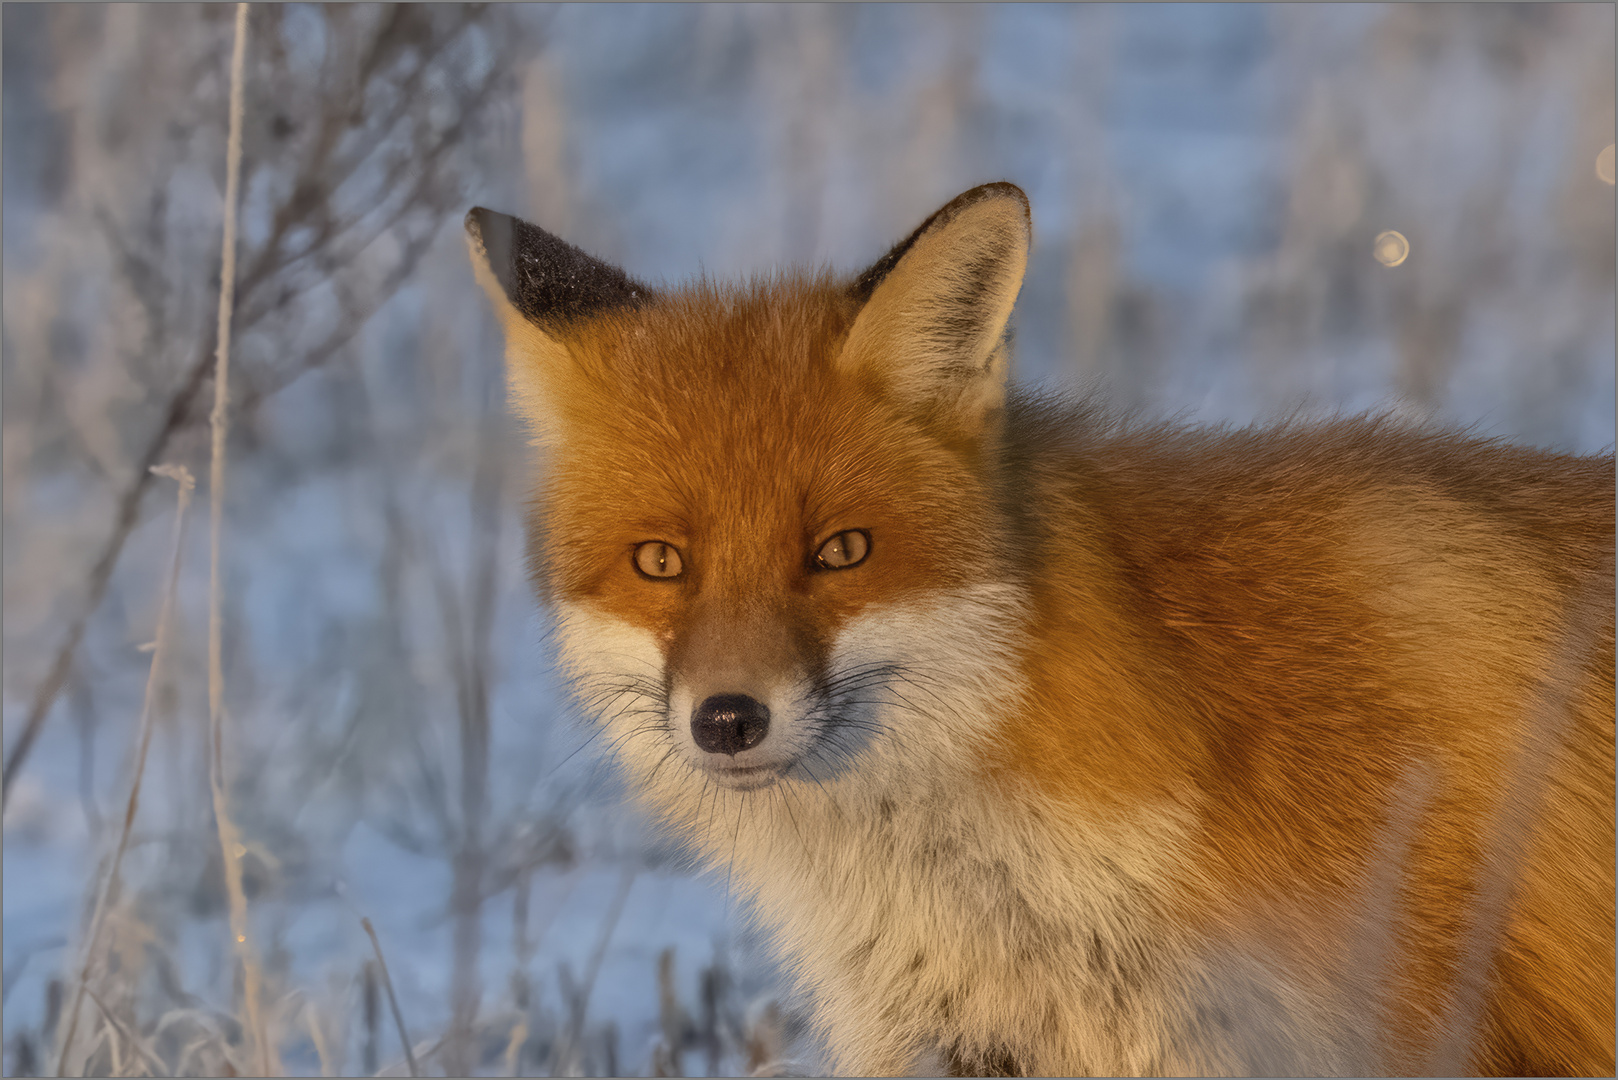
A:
844,550
656,559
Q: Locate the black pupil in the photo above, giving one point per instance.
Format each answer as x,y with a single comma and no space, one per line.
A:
840,550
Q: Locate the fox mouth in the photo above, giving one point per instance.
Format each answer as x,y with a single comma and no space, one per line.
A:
746,777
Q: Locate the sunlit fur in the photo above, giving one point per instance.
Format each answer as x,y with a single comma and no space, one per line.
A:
1127,748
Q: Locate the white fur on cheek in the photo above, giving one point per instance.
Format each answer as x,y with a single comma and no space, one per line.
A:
617,672
956,660
619,676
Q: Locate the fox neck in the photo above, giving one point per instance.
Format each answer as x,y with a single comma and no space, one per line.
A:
927,862
917,910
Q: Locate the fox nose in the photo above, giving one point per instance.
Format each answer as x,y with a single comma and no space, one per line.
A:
730,723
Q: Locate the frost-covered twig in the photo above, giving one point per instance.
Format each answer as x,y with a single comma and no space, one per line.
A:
230,844
109,888
405,204
153,1062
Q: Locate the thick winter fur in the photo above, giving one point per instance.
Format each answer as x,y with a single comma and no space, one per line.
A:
1125,749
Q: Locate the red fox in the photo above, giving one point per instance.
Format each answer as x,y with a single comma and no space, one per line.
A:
1049,743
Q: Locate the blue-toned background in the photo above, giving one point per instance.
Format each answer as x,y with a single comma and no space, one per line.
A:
1208,183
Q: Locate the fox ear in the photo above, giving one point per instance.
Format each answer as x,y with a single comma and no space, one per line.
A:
540,286
932,329
543,278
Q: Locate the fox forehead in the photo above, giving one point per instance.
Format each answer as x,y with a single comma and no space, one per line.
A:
718,421
714,408
756,349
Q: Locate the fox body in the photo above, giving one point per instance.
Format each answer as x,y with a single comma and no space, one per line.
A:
1052,744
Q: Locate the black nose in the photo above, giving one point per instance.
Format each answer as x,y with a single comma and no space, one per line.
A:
729,723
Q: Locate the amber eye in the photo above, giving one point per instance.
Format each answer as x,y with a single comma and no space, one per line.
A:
657,559
844,550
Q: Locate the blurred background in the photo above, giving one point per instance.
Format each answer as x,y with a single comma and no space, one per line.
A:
1211,186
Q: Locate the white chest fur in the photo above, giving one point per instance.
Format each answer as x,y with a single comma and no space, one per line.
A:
926,923
940,924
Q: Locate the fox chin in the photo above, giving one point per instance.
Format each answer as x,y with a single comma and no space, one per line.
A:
1047,743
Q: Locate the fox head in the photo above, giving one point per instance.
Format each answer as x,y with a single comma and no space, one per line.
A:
765,514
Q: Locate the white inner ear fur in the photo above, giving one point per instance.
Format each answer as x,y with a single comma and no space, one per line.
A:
530,354
933,331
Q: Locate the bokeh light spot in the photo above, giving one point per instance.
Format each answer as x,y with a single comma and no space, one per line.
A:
1391,248
1604,164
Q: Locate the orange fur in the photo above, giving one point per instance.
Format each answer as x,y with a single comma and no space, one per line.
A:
1278,623
1330,703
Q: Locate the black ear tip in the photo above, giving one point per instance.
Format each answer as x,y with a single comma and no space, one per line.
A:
483,223
1000,189
493,233
867,282
548,280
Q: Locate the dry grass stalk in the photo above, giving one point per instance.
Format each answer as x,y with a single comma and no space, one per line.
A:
209,1036
371,1053
608,925
764,1041
106,1035
672,1017
230,844
567,1055
1551,713
393,1001
1374,946
152,1061
312,1023
513,1056
413,201
109,889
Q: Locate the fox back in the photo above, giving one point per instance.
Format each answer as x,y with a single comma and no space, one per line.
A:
1048,743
